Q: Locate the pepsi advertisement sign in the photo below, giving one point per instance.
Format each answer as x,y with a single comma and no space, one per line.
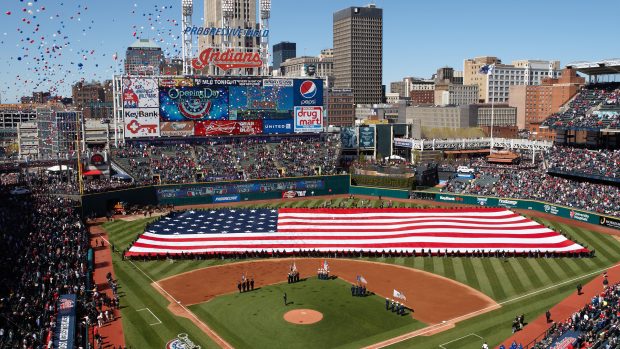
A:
277,126
308,92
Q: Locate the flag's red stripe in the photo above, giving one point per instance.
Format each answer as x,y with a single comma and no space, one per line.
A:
361,221
359,218
390,210
387,230
250,237
442,245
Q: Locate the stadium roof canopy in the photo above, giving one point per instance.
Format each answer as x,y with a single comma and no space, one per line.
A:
602,67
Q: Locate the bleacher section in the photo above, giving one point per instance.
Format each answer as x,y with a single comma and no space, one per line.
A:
250,159
595,107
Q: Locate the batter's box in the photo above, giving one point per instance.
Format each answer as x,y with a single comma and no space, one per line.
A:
471,340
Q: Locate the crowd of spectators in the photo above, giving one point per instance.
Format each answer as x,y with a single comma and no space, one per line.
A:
44,246
597,324
243,159
601,163
580,113
534,183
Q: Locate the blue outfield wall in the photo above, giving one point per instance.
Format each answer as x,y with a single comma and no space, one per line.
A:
216,192
540,206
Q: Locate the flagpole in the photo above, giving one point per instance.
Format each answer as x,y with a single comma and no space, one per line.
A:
492,96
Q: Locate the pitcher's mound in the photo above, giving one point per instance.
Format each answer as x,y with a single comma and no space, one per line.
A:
303,316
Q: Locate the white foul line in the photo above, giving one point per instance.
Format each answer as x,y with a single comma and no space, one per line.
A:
169,295
158,320
458,339
458,318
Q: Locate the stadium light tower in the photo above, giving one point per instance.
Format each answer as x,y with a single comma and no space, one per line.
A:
265,14
187,11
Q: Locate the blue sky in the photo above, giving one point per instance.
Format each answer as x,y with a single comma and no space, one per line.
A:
50,44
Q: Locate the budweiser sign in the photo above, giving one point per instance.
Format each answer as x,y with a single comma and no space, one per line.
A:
229,59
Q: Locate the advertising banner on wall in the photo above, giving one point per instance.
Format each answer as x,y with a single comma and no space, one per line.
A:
609,222
348,137
140,93
367,137
174,81
227,128
141,122
177,129
277,126
204,102
64,333
308,119
308,92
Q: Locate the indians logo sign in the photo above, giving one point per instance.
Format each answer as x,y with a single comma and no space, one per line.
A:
66,304
229,59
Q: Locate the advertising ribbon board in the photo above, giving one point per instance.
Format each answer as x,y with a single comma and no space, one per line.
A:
64,333
228,128
277,126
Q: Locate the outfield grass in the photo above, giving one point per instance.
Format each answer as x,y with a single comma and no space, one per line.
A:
501,280
255,319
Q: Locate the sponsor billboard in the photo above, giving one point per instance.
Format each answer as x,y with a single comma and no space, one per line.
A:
64,333
293,194
367,137
348,137
227,127
140,93
141,122
227,198
204,102
178,128
261,98
308,119
609,222
308,92
277,126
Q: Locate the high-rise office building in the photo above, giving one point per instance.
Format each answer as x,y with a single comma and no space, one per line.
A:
143,57
283,51
358,52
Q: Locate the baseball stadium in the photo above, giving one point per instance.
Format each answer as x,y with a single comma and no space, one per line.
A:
236,220
224,202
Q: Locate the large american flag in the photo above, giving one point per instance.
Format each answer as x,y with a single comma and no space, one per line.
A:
397,229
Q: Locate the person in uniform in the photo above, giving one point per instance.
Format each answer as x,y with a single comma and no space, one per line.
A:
252,284
579,289
285,300
548,316
387,304
353,290
239,286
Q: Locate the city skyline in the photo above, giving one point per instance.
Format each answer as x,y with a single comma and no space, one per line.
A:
418,37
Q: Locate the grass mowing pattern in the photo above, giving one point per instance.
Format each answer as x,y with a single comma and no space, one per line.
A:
359,320
501,280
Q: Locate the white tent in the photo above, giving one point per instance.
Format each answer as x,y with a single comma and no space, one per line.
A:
394,157
59,168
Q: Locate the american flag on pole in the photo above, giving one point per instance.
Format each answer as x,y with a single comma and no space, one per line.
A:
301,229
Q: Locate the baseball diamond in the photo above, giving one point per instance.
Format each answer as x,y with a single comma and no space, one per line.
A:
199,292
